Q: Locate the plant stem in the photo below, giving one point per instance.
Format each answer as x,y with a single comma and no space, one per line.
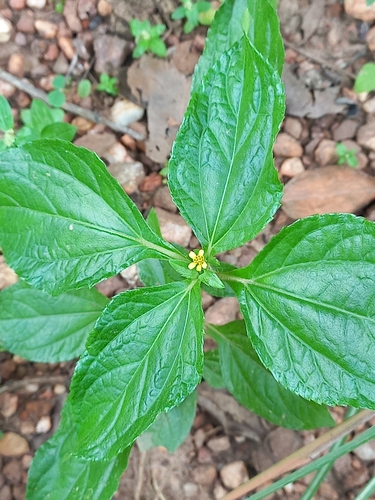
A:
303,456
323,472
367,490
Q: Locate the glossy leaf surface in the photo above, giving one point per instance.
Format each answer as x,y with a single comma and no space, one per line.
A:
60,130
221,172
144,357
64,221
56,474
212,370
171,428
256,388
308,303
260,24
39,327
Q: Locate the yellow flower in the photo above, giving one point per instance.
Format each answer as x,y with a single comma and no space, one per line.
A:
198,260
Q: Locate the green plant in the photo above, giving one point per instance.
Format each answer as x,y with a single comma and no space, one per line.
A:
147,38
56,97
59,6
365,81
346,156
107,84
84,88
196,13
40,121
306,339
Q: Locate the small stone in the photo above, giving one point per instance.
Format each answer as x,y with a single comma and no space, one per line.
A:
130,274
67,47
20,39
13,445
44,425
129,142
36,4
199,438
52,53
98,143
7,367
151,182
286,145
83,124
6,90
366,136
234,474
129,175
163,199
370,38
36,409
219,492
19,360
291,167
173,227
31,388
369,105
16,64
357,477
125,112
8,404
27,428
26,461
46,29
104,8
346,130
5,493
111,286
7,275
207,300
219,444
19,492
61,65
71,16
117,154
325,153
17,4
190,490
12,472
204,455
283,442
360,10
26,22
110,52
204,475
366,452
5,30
293,127
223,311
59,389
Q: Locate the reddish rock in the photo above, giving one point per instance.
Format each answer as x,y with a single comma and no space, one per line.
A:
110,52
151,182
286,145
104,8
346,130
6,493
99,143
291,167
325,153
26,22
67,47
366,136
163,199
12,472
223,311
71,16
234,474
46,29
360,10
16,64
204,475
129,175
173,227
7,367
17,4
8,404
52,53
293,127
13,445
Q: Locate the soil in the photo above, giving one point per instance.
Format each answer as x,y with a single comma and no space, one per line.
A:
325,48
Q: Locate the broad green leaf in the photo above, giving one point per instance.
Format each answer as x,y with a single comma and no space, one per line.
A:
227,29
39,327
60,130
171,428
65,222
144,357
369,2
41,115
57,115
6,117
212,370
365,81
221,171
26,134
58,82
158,47
179,13
308,303
57,474
255,387
211,279
56,98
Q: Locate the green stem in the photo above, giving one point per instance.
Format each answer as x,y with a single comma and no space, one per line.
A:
323,472
331,456
368,490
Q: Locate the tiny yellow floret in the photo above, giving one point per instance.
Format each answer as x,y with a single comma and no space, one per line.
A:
198,260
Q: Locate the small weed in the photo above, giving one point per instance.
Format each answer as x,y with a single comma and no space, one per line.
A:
107,84
346,156
147,38
195,13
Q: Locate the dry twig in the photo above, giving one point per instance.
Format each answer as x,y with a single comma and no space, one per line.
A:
13,385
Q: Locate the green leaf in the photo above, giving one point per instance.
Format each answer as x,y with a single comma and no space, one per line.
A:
6,117
307,300
157,46
61,130
41,115
179,13
369,2
226,30
190,25
137,26
221,171
26,134
72,223
255,387
57,115
365,81
57,474
171,428
26,117
84,88
144,357
56,98
39,327
212,370
140,48
157,30
58,82
211,279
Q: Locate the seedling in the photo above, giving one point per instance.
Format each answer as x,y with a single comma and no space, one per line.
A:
365,81
307,335
147,38
196,13
107,84
84,88
56,97
346,156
